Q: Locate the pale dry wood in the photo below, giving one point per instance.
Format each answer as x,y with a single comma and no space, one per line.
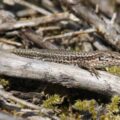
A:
71,34
14,104
105,6
30,35
7,95
111,33
10,42
4,116
29,5
33,7
35,21
66,75
48,28
50,5
99,46
26,12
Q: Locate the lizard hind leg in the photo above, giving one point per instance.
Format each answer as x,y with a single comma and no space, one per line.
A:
91,69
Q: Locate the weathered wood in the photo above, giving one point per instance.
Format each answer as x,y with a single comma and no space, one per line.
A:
4,116
35,21
108,31
66,75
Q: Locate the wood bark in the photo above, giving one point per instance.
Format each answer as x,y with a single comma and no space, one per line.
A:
66,75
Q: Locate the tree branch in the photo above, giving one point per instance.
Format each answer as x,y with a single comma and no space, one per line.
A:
66,75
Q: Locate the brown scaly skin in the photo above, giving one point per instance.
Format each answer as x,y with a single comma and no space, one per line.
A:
89,60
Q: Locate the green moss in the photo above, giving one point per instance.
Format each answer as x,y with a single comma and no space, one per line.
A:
51,101
86,105
112,110
113,107
4,82
109,116
69,116
115,70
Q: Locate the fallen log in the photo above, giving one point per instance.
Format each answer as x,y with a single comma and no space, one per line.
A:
66,75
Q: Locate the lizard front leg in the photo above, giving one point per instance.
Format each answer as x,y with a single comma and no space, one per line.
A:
90,68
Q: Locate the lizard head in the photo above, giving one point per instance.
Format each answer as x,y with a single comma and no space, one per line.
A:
112,58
